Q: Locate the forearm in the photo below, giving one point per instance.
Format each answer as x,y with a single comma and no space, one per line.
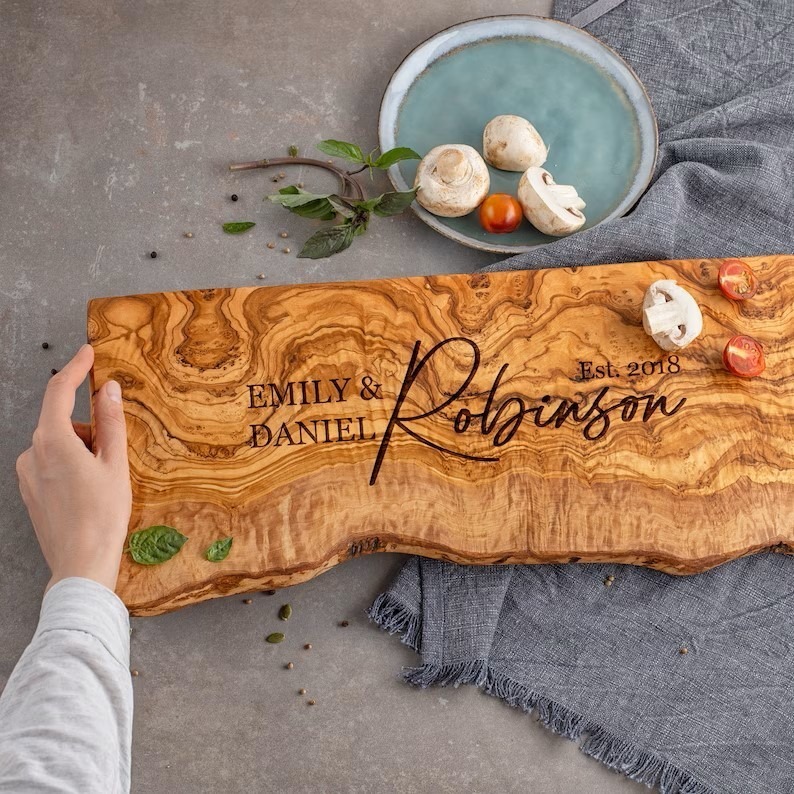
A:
66,711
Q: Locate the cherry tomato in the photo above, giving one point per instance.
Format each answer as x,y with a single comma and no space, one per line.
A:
500,213
737,281
744,356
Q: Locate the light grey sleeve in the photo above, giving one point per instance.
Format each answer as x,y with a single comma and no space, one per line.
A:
66,711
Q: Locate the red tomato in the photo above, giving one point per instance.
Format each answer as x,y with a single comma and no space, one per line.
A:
736,280
744,356
500,213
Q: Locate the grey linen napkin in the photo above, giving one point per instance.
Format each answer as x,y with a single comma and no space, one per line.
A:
604,664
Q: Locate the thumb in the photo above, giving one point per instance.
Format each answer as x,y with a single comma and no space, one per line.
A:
111,429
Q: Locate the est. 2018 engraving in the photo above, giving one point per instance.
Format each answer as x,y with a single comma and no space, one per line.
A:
590,370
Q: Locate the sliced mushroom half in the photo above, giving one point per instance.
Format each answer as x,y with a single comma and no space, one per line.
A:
671,315
551,208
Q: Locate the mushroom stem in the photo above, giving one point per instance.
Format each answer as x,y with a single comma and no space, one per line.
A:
453,167
567,196
662,317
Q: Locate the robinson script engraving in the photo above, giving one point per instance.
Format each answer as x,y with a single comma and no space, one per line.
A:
498,420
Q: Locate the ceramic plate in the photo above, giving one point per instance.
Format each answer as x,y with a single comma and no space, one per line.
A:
589,107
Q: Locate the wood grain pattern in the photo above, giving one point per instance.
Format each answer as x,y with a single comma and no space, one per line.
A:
333,475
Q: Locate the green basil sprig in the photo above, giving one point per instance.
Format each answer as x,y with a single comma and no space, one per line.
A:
325,206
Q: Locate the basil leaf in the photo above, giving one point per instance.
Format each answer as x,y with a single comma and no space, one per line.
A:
341,206
388,159
347,151
394,203
368,205
310,205
321,208
294,197
238,227
156,544
327,242
219,550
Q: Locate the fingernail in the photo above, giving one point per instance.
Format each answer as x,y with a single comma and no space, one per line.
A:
113,391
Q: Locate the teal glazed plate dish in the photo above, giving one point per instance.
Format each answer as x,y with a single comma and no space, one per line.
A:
587,104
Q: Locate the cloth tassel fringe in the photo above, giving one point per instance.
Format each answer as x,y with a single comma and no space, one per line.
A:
392,616
595,741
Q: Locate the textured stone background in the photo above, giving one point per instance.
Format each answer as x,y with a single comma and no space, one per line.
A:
117,122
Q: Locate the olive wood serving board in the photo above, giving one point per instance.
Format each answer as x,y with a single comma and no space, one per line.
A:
492,418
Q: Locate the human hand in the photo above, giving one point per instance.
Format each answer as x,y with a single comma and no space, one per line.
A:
79,501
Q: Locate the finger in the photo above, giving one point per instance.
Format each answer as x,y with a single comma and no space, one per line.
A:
83,431
58,403
111,429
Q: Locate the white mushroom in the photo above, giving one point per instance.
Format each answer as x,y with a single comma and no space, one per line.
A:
452,179
552,209
670,315
512,144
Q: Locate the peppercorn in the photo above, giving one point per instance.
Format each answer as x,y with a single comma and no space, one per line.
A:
285,250
188,234
45,345
261,276
301,691
247,601
271,245
308,646
344,624
153,255
53,371
283,234
312,702
134,673
289,665
683,651
234,197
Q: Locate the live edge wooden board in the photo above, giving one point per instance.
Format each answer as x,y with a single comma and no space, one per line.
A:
500,418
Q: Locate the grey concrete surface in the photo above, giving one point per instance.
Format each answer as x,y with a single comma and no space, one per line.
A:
117,122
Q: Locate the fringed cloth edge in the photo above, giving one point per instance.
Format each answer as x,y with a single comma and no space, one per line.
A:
395,617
